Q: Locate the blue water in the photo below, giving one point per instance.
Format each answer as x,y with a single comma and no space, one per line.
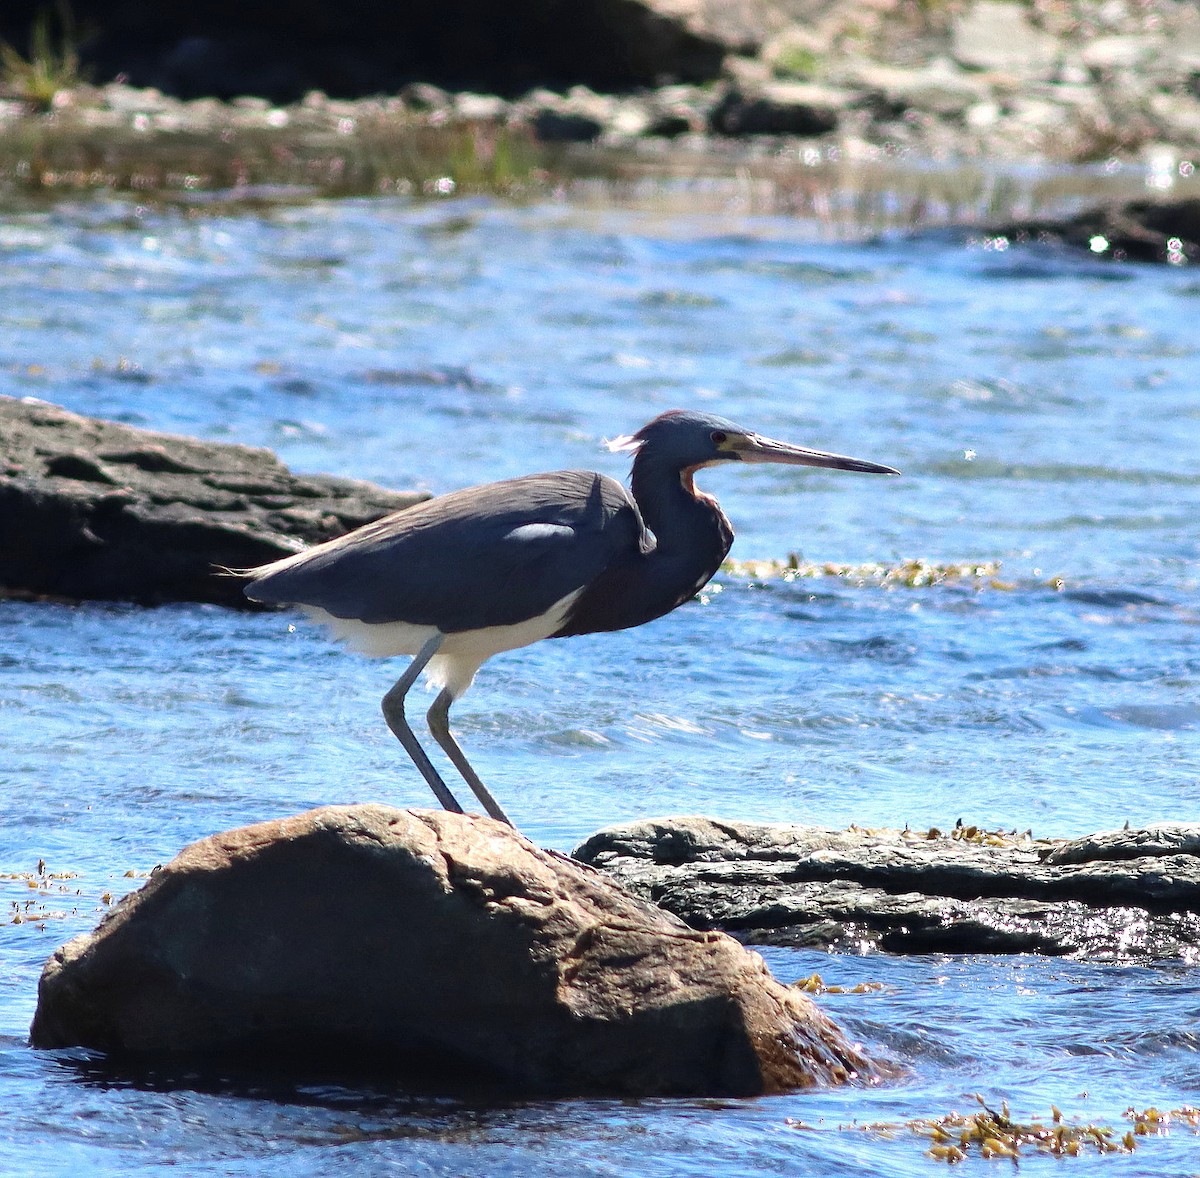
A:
1045,412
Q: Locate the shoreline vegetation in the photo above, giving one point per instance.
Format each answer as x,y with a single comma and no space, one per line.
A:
207,156
962,112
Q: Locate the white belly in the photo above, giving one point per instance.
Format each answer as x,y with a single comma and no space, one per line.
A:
460,656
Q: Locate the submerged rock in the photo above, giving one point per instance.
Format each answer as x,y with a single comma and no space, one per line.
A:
443,950
96,509
1130,893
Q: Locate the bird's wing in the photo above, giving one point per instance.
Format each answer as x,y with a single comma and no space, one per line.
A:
486,556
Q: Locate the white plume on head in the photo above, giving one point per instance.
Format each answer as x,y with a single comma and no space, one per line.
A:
625,443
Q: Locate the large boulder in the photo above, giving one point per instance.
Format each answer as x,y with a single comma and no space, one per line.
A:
361,47
1121,894
446,950
97,509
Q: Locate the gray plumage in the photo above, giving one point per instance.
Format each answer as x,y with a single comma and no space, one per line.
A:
481,557
467,575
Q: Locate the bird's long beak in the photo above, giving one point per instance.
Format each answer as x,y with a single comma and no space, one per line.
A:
756,448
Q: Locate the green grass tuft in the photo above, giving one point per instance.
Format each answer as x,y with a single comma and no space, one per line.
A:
51,65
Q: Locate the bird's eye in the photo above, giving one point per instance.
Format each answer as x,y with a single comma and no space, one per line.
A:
720,437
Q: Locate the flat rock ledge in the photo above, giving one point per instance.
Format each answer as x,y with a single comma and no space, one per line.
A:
93,509
1125,894
446,951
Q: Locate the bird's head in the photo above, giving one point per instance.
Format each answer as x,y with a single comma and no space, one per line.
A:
688,440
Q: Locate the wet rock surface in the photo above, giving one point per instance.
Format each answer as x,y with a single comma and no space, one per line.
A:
97,509
1118,894
445,951
1140,231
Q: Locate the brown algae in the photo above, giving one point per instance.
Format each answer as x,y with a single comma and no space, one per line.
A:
990,1133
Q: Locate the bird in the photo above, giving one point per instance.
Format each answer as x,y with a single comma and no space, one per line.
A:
463,576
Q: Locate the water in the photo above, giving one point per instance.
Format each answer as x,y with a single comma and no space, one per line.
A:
1043,410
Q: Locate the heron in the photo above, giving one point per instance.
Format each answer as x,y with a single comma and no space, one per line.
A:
464,576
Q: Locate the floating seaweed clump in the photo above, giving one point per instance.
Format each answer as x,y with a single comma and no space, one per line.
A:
956,1136
815,984
39,886
41,890
916,573
961,832
965,833
1155,1122
991,1134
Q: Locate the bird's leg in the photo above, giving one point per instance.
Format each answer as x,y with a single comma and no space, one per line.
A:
393,713
439,724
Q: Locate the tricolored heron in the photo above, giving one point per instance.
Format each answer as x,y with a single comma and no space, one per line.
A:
464,576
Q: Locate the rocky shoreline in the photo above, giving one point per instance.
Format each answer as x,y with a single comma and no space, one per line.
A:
248,152
1051,81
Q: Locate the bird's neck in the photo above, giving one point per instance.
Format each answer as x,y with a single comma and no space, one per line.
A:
689,526
690,537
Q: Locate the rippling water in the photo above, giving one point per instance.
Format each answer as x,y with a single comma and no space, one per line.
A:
1044,411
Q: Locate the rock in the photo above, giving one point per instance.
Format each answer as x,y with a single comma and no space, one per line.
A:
1120,894
579,116
359,48
670,124
678,110
797,52
446,951
982,115
1138,230
564,126
96,509
1120,53
424,96
1037,114
1177,115
780,108
747,74
480,108
1012,82
1152,842
938,88
631,118
994,35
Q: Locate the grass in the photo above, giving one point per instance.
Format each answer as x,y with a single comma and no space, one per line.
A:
51,66
224,155
798,62
386,154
